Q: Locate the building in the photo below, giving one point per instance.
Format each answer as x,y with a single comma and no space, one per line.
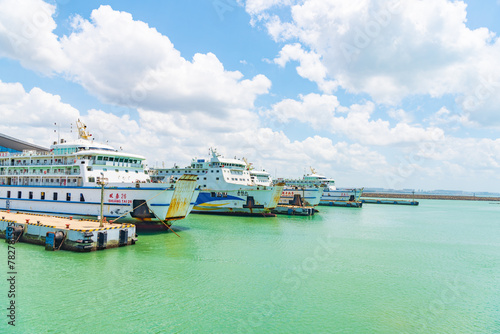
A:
13,145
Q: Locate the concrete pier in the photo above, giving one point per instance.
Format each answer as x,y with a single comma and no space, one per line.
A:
55,233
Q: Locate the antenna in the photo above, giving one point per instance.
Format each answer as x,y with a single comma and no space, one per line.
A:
58,131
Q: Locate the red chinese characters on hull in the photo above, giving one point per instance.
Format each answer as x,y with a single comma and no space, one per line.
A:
120,198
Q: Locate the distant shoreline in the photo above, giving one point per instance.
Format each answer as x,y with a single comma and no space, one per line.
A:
421,196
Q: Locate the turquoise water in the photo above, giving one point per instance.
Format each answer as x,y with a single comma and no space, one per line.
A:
434,268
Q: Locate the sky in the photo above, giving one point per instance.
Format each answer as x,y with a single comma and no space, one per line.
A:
391,94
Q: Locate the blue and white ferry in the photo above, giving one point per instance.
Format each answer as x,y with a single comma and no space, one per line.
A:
330,193
225,186
292,194
66,181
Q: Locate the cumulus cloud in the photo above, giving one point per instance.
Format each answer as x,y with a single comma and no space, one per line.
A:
35,107
395,49
133,64
310,66
26,35
31,115
130,63
354,122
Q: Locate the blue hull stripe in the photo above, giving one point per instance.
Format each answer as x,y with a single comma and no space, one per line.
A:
69,202
58,213
64,187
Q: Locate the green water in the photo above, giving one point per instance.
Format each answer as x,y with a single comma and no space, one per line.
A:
434,268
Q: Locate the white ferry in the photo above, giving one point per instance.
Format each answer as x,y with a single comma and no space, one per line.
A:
292,194
331,193
66,181
226,186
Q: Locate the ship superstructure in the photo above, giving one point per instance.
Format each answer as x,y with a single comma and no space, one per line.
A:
65,181
330,193
306,195
225,186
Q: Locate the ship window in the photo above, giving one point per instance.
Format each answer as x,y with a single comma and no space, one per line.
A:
197,178
30,195
8,193
89,168
116,170
216,178
42,195
105,169
212,171
91,179
204,178
99,158
82,199
19,193
68,197
217,170
212,194
54,196
106,158
137,171
126,170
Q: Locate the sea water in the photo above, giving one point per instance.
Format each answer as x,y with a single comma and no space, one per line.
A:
433,268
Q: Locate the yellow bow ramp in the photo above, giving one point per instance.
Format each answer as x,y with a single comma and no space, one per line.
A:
183,196
278,189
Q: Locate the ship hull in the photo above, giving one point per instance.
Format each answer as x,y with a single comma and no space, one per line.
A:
346,195
309,196
142,204
252,202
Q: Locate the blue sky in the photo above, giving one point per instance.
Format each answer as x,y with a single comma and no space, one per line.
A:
393,94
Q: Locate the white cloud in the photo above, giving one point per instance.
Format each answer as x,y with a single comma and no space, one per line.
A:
26,34
354,122
255,7
445,117
401,115
134,65
35,107
124,62
31,115
310,66
395,49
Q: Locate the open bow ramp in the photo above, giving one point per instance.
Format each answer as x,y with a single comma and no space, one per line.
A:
182,200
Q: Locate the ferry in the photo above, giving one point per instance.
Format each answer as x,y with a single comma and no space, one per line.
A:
331,193
292,194
75,176
225,186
